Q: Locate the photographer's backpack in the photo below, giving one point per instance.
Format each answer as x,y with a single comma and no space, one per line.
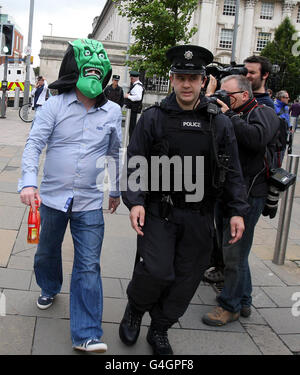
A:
276,148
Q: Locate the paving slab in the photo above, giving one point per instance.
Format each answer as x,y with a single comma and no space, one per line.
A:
7,241
52,337
24,303
10,199
254,318
208,342
261,299
262,275
117,256
15,279
282,296
289,273
281,320
11,217
292,341
266,340
206,295
8,187
16,334
20,262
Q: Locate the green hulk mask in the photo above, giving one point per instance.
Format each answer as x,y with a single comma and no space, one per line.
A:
93,66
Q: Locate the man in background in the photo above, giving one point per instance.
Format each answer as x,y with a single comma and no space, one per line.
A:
281,105
40,93
134,99
259,70
114,92
294,113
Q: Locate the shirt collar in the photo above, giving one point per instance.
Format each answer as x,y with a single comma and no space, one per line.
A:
71,97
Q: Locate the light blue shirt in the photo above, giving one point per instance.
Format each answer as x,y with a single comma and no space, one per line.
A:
77,143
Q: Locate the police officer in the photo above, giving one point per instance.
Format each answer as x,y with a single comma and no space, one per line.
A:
114,92
134,99
175,232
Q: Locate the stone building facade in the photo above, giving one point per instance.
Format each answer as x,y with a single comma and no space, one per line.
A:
257,21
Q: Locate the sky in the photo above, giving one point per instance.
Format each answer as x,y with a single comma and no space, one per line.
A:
69,18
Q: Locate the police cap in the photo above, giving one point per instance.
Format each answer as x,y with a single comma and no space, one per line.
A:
116,77
133,73
189,59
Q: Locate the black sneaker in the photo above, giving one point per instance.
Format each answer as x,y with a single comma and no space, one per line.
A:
214,275
44,302
130,325
159,342
245,311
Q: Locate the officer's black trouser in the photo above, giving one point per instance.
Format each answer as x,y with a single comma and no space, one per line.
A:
175,253
132,123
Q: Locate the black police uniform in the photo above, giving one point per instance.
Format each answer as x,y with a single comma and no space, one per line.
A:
115,94
176,247
135,106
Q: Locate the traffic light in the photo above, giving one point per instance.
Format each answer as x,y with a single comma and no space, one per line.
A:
7,37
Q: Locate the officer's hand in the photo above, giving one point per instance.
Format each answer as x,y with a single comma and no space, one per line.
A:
224,107
28,195
113,203
212,85
137,219
237,228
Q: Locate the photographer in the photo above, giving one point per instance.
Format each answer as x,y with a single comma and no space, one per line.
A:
259,70
255,126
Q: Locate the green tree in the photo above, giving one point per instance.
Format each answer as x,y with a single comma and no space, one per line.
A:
280,52
156,26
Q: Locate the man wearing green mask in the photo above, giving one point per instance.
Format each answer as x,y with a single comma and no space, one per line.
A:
80,128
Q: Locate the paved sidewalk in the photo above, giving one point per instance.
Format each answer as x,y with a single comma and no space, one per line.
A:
272,328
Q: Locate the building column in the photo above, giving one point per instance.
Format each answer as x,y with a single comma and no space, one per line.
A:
287,8
247,34
206,23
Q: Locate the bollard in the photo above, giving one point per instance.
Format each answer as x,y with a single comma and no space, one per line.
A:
17,98
285,213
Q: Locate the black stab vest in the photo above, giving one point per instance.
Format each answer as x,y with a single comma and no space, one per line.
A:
186,134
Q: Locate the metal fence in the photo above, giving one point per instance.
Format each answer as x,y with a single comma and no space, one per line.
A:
157,84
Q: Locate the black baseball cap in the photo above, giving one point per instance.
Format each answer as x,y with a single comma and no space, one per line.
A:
189,59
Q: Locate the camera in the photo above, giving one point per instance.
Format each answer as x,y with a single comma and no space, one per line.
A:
279,181
219,94
220,71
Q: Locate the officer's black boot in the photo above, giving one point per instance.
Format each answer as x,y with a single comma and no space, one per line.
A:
130,325
157,337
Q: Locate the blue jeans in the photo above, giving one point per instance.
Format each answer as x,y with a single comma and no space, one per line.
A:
86,298
237,277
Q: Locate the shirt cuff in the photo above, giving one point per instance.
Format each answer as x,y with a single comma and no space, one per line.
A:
29,179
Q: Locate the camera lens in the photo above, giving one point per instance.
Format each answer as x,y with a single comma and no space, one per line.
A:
271,205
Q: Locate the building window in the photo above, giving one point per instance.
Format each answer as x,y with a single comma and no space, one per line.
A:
226,38
229,8
298,15
262,40
267,10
